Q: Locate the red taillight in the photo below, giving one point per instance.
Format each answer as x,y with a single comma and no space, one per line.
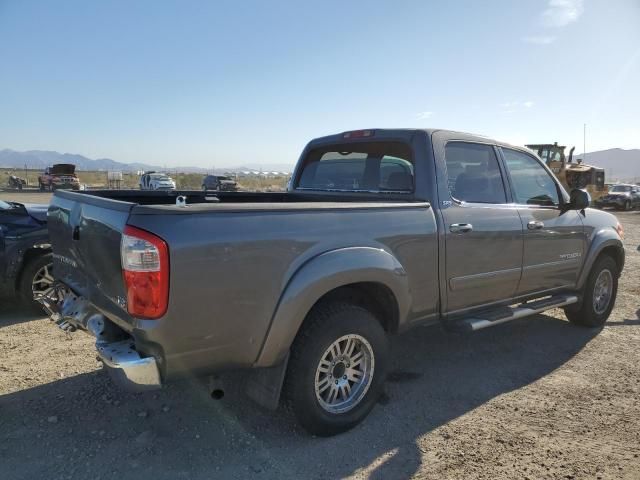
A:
358,134
145,268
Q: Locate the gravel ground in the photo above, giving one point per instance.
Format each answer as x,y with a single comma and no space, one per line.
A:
535,398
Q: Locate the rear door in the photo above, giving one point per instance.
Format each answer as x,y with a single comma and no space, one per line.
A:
554,240
483,232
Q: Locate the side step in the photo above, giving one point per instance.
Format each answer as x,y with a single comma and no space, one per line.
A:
490,318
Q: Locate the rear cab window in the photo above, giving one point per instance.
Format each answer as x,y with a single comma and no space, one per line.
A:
371,167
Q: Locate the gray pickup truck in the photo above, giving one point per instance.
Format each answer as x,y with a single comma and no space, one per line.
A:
379,231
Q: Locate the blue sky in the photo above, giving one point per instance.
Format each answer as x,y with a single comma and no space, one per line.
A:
230,83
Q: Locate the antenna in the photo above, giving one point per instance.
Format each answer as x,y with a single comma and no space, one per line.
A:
584,144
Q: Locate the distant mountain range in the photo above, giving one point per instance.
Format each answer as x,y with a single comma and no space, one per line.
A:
38,159
619,164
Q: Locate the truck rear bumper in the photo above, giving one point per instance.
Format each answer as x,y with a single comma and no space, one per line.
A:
115,347
127,368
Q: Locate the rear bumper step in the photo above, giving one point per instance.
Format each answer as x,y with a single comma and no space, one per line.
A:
491,318
127,368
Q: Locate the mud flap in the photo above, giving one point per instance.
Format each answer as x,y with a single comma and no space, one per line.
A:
265,384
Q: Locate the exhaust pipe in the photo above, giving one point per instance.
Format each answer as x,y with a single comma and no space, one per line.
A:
216,388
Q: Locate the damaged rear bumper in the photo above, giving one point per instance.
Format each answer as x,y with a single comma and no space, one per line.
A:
127,368
116,349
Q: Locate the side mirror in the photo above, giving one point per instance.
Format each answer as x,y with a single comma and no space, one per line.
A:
579,199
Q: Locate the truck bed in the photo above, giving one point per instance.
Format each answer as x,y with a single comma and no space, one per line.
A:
144,197
232,256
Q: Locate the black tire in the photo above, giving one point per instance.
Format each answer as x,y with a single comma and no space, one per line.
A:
627,206
324,325
585,314
41,185
30,270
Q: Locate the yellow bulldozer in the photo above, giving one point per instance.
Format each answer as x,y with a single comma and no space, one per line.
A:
571,175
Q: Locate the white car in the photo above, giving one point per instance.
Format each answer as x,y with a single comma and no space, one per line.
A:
156,181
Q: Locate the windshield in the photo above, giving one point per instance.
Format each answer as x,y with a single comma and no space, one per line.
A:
362,167
620,188
4,205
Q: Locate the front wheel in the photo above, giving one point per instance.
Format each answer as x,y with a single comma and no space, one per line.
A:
627,206
337,368
599,295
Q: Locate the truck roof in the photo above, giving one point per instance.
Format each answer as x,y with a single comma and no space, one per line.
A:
406,133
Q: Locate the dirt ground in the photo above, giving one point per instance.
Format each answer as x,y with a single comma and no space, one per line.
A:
535,398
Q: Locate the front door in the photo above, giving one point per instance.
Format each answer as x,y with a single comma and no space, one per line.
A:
554,239
483,233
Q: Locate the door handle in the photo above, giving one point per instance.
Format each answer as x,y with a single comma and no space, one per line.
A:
460,227
535,225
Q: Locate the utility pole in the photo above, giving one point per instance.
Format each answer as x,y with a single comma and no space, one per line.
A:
584,144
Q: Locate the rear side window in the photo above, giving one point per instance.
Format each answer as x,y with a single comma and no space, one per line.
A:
532,183
473,173
359,167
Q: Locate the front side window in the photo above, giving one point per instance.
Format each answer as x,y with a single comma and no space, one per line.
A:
359,167
532,183
473,173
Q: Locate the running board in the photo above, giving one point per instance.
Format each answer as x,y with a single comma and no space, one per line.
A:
490,318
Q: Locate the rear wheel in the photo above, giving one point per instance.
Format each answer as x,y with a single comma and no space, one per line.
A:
35,279
599,295
337,368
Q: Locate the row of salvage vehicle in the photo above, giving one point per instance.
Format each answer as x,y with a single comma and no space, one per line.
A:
63,176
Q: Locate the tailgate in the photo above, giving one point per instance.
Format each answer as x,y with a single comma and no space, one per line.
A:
85,233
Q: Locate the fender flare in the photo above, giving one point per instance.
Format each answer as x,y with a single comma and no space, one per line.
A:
321,275
603,238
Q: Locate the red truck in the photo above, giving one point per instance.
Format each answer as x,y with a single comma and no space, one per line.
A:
62,175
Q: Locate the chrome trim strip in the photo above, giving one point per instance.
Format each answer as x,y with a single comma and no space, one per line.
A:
468,281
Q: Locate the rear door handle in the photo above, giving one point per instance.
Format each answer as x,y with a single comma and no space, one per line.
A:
460,227
535,225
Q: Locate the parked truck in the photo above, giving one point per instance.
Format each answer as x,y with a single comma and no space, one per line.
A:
62,175
380,231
